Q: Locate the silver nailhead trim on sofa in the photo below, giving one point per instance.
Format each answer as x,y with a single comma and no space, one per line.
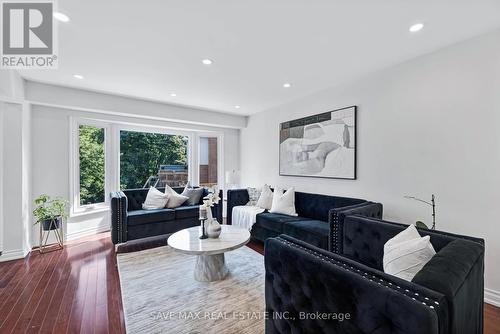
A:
370,277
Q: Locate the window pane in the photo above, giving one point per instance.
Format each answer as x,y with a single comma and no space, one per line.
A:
208,161
92,173
152,159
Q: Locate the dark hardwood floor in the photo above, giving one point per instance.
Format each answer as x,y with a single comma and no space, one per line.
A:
77,289
74,290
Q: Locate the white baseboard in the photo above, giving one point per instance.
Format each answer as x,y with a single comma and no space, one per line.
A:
13,255
86,232
492,297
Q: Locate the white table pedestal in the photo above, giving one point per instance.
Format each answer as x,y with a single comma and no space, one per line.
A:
209,268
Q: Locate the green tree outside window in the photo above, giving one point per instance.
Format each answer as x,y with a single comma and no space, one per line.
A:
92,165
142,153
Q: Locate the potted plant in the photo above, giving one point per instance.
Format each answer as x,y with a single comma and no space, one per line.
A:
50,213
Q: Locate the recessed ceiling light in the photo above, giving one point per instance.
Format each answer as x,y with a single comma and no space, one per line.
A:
61,17
78,76
237,107
173,94
287,85
207,62
416,27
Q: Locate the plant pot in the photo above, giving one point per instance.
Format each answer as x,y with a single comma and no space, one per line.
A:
51,224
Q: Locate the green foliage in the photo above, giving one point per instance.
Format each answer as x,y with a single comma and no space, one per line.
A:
50,209
91,165
142,153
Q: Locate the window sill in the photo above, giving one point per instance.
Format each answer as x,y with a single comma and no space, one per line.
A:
89,211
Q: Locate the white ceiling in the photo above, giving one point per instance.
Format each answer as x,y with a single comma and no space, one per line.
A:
149,49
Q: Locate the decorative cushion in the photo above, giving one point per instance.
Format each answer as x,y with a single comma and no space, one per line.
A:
193,195
266,198
253,195
155,199
284,202
407,234
174,199
407,253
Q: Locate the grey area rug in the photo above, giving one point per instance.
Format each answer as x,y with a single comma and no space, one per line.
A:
160,294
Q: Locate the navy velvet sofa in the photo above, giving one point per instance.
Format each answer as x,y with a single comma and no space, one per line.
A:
129,221
445,297
317,220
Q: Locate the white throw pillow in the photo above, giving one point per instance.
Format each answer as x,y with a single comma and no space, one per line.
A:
174,199
284,202
193,194
407,253
155,199
409,233
266,198
253,196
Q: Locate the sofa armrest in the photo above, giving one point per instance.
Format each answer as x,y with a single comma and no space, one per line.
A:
457,271
336,219
119,216
303,279
235,197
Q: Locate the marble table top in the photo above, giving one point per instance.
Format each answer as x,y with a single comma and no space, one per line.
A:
187,241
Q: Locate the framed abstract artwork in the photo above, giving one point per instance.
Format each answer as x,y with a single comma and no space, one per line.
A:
323,145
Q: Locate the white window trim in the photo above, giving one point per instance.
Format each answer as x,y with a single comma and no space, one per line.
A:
75,208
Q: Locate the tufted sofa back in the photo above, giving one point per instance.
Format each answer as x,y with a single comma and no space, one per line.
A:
136,197
364,238
316,206
303,279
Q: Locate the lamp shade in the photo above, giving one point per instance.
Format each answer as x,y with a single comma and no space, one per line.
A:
231,177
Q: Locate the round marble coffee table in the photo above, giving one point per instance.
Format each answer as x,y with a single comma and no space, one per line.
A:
210,263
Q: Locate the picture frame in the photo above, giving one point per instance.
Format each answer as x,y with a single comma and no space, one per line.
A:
323,145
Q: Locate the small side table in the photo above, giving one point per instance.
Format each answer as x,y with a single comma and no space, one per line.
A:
44,236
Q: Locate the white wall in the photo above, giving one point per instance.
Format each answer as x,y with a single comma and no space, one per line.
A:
430,125
26,180
11,84
15,175
15,154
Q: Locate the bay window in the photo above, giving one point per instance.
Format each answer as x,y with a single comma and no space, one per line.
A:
110,156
